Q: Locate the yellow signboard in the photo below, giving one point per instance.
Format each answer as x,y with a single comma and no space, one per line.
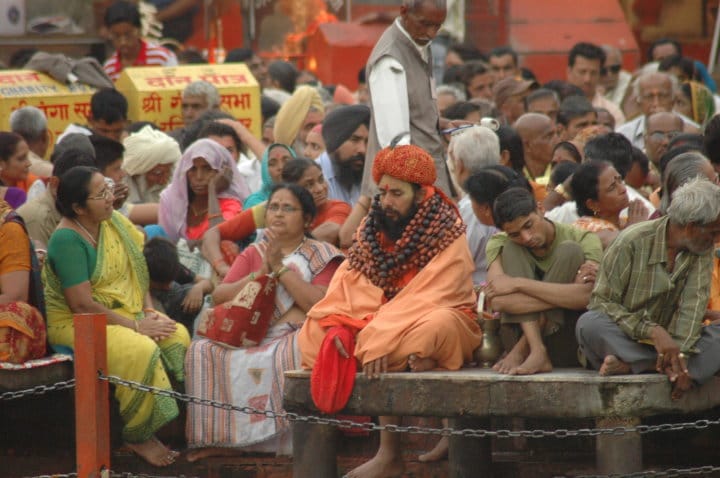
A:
155,93
61,104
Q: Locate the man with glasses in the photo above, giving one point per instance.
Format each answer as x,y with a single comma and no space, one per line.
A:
122,20
654,92
613,79
660,129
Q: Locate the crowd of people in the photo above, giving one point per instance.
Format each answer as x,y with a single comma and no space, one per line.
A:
584,210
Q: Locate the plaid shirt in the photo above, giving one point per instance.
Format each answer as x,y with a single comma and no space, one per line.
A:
635,289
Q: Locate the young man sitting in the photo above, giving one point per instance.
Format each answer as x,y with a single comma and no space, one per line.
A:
540,276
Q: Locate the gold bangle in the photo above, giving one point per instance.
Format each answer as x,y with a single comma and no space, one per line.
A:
560,189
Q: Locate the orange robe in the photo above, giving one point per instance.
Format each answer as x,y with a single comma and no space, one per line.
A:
432,316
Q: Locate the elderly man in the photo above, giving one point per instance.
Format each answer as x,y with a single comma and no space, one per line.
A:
345,133
539,137
402,89
404,293
660,129
652,290
31,123
654,92
297,116
470,150
197,98
584,64
540,276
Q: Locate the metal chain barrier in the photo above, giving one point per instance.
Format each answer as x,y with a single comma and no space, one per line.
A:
472,433
110,474
670,472
38,390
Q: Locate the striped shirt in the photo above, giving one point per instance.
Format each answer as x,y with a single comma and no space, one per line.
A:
150,54
634,288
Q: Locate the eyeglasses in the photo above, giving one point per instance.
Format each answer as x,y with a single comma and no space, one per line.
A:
660,135
490,123
659,96
284,208
107,192
614,69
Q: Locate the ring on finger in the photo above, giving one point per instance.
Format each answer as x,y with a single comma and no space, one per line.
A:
682,355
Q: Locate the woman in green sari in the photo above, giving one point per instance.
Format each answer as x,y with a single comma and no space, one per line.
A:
95,265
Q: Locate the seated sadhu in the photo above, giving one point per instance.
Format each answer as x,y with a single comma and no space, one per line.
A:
404,295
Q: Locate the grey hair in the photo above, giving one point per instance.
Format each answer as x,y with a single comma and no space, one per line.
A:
452,90
29,122
203,88
674,84
695,202
678,171
476,147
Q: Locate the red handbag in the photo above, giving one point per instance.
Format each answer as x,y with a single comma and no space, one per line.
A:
245,320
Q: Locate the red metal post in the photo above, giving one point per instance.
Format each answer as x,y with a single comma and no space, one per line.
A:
92,412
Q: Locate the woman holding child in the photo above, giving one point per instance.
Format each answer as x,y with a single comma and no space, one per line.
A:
254,376
95,265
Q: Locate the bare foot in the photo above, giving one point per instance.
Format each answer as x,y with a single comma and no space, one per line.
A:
511,361
380,466
420,364
537,362
199,453
614,366
440,452
154,452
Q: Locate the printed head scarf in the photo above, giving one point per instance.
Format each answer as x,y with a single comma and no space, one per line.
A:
409,163
293,112
174,200
702,102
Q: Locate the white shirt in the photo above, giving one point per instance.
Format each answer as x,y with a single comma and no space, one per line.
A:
567,212
478,235
251,171
388,85
634,130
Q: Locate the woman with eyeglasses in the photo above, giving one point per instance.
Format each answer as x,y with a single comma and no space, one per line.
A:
327,225
206,189
253,376
600,195
95,265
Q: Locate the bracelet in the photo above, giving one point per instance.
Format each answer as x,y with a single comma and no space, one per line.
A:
252,276
213,216
137,326
281,271
560,189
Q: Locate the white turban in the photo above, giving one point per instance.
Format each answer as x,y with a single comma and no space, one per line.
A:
147,148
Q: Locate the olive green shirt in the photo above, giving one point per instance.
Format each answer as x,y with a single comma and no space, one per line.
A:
589,242
635,289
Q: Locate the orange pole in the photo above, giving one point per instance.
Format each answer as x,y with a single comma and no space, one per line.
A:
92,405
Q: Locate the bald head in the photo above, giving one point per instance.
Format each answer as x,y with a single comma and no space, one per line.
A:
654,92
530,125
660,128
539,136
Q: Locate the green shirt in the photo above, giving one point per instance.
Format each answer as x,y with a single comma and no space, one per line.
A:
634,288
589,242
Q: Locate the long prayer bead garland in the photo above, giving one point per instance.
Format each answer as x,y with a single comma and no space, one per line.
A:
435,226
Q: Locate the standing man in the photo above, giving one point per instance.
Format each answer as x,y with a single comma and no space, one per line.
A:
584,64
651,294
402,88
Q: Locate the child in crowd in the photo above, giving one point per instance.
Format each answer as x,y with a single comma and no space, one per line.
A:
174,288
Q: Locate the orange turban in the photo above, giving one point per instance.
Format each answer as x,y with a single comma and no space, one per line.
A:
409,163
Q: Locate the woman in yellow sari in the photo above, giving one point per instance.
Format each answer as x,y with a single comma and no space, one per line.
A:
95,265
